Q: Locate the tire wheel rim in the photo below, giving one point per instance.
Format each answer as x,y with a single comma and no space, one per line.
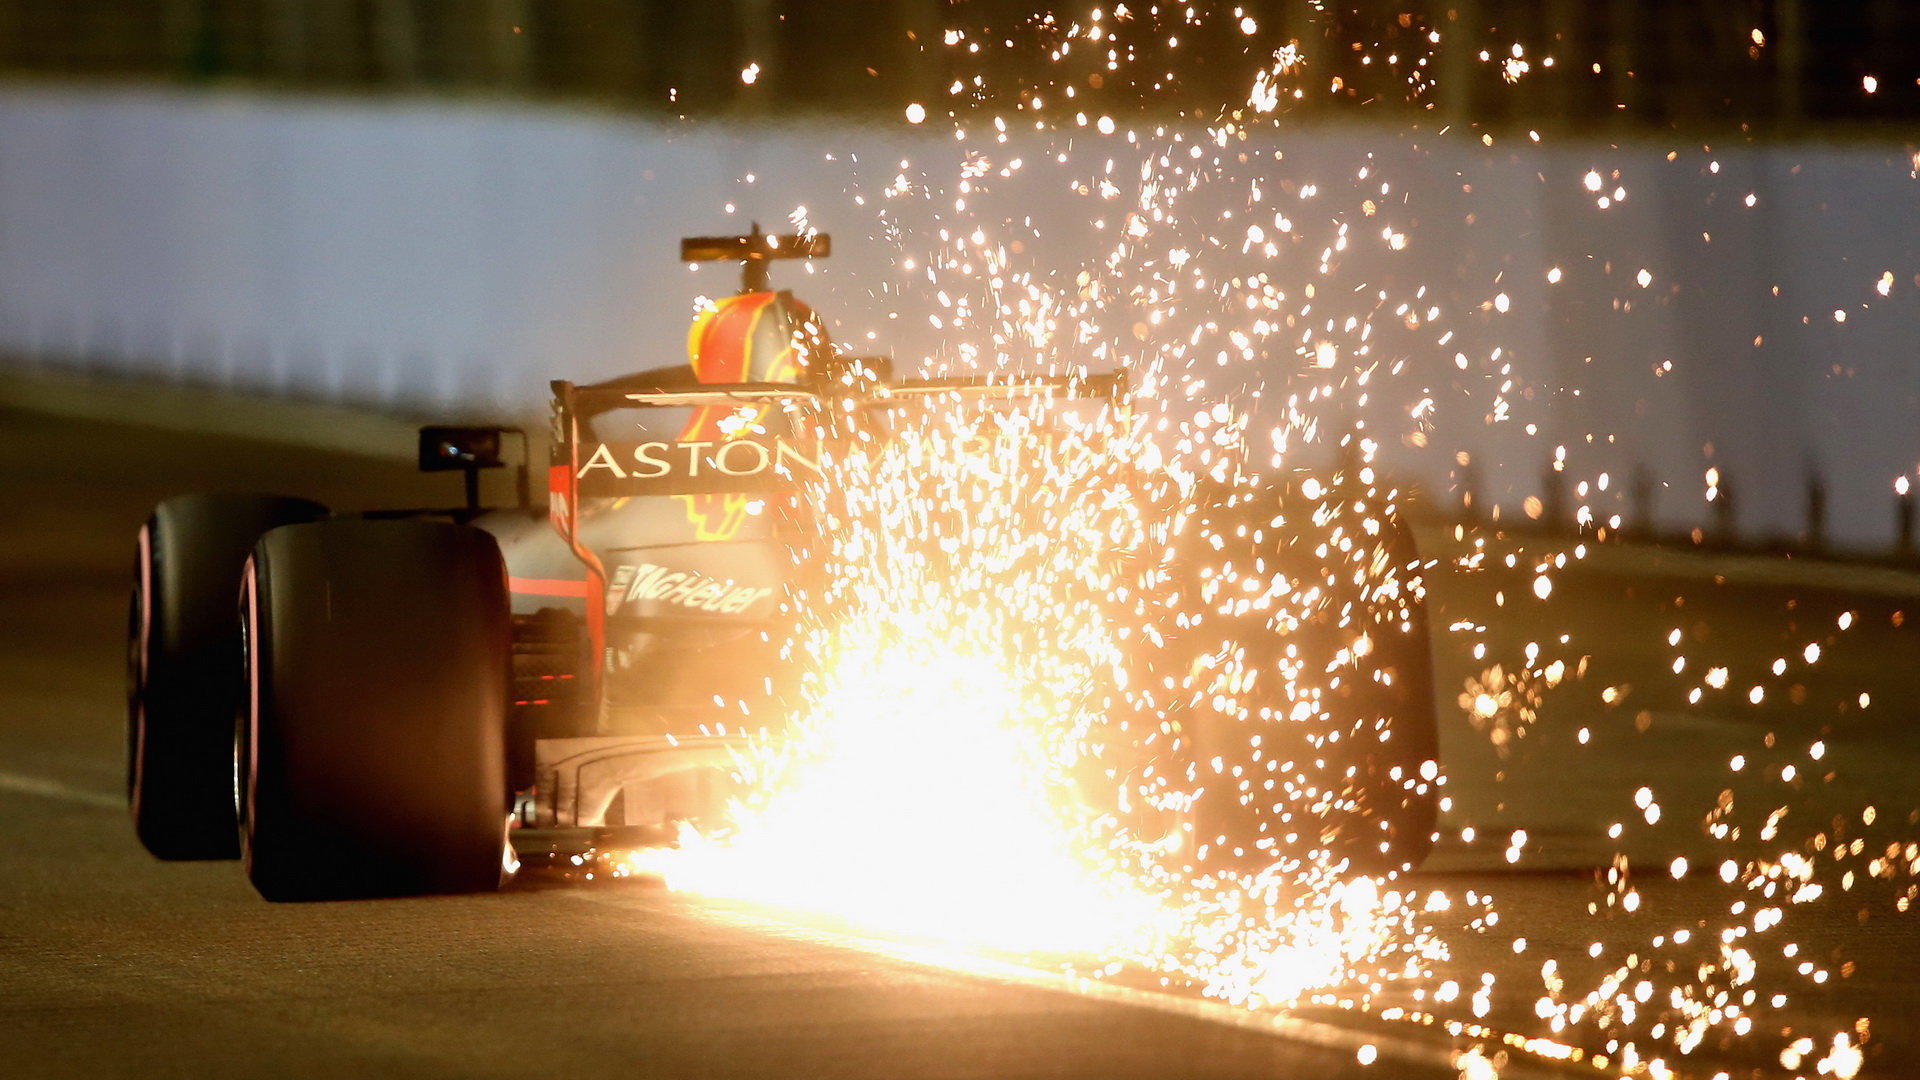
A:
244,716
139,644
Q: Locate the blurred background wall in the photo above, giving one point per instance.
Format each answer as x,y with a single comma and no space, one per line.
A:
439,206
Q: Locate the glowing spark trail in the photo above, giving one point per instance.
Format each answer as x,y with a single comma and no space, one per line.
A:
1080,673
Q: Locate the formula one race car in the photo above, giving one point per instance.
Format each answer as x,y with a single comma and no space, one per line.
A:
405,699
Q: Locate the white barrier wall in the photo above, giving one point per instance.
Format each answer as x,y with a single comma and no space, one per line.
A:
456,256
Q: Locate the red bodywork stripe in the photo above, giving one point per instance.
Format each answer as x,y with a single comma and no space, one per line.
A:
546,586
721,350
722,344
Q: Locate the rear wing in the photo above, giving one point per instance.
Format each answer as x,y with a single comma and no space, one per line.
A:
1111,386
586,468
753,251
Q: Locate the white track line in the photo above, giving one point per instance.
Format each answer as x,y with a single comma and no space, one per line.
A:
18,784
1434,1053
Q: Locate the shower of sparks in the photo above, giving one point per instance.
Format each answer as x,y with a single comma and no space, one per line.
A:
980,759
1020,707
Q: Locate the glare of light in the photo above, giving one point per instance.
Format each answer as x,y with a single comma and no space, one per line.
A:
1127,916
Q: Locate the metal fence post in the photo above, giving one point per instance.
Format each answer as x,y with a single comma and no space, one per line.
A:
1553,500
1726,528
1641,525
1903,518
1815,539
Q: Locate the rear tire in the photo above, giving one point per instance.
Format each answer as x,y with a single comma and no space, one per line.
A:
372,750
184,669
1358,781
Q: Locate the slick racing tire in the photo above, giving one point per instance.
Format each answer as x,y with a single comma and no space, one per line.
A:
372,757
1363,789
183,667
1349,767
1394,754
1382,771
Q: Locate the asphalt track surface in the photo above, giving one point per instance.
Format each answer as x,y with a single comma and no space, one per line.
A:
113,964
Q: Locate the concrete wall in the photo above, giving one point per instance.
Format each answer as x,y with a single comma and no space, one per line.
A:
455,256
